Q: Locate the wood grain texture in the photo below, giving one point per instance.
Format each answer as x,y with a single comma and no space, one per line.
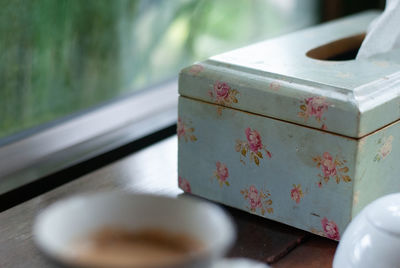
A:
152,170
316,252
261,239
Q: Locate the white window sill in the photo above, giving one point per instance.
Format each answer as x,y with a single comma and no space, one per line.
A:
87,136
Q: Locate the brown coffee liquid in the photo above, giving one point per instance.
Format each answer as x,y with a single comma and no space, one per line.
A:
145,248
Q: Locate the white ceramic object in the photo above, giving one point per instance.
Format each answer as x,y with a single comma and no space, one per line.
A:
373,237
239,263
67,220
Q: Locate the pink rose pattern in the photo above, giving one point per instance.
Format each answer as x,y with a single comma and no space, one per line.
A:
328,165
257,200
314,106
275,86
385,149
184,185
184,131
221,91
296,193
223,95
196,69
253,147
222,174
331,168
254,139
330,229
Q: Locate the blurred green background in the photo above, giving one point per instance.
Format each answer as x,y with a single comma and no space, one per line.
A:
61,57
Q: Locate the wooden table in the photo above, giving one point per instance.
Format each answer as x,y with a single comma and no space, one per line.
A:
154,170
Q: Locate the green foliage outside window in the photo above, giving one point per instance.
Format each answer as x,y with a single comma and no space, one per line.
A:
60,57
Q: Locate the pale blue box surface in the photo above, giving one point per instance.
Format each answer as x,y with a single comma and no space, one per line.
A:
302,141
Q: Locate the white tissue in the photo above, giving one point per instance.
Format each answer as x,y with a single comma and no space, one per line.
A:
384,32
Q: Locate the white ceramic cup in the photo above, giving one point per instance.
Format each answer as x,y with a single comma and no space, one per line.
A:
373,238
77,217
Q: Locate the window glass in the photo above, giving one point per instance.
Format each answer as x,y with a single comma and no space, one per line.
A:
61,57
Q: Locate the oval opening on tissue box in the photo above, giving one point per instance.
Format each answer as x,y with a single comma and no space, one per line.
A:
339,50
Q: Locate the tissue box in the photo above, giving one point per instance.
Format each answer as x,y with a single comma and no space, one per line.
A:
291,130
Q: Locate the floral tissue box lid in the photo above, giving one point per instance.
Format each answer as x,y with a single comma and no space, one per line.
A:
277,79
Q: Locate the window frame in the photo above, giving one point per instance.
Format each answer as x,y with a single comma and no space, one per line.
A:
103,129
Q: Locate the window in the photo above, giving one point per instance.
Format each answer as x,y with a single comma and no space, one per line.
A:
61,57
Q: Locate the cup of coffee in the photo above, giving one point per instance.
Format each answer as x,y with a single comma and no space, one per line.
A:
133,230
